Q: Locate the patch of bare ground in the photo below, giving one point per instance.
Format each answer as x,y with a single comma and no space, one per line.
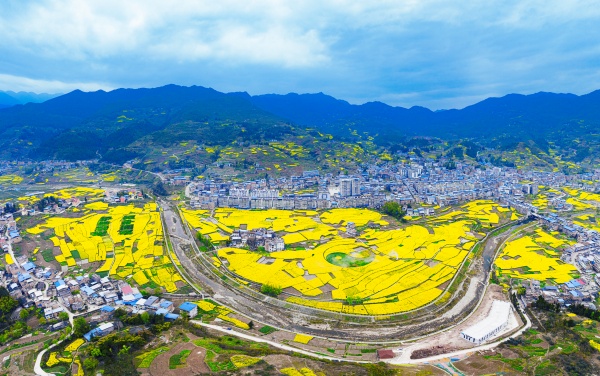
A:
431,263
194,363
506,353
477,364
444,285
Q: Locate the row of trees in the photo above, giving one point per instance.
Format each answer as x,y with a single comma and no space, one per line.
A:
543,305
581,310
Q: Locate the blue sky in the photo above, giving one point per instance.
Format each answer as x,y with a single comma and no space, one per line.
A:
438,54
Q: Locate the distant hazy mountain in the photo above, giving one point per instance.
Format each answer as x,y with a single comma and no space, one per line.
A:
81,125
10,98
536,115
6,100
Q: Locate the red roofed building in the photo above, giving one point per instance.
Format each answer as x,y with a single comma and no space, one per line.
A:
385,354
126,289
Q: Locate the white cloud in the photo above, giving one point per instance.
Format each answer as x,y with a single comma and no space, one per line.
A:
408,52
16,83
183,30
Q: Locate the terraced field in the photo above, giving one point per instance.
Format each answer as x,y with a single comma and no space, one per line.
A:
128,240
536,256
383,270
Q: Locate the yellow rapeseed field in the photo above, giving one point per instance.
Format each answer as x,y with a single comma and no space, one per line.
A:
10,179
380,272
136,250
534,257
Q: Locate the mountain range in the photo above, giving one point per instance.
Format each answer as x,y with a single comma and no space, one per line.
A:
82,125
11,98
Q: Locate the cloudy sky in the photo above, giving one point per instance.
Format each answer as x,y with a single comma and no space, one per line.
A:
438,54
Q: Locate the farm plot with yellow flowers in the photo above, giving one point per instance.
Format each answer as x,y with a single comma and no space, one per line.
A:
66,193
535,256
10,179
582,200
382,271
127,240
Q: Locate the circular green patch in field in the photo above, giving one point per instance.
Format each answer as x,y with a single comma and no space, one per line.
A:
350,260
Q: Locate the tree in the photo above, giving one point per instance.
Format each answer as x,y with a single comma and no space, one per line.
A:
159,189
145,317
270,290
7,305
393,209
63,316
80,327
90,363
204,240
95,351
24,314
124,350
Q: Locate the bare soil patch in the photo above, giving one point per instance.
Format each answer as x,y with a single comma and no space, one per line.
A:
478,365
194,364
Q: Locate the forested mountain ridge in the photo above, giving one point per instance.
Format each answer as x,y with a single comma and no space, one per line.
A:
126,123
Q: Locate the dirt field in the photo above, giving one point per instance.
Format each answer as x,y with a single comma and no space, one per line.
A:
286,361
193,365
21,361
476,364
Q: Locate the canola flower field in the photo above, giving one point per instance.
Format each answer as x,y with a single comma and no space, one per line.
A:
10,179
535,257
582,200
128,240
67,193
382,271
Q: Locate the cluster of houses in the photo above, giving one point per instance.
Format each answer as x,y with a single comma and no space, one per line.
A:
413,182
44,288
417,182
123,196
575,291
257,238
133,302
57,207
583,235
176,176
9,231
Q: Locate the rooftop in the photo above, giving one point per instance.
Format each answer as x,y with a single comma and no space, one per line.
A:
187,306
498,314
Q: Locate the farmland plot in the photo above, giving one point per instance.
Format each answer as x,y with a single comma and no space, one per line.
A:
127,239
